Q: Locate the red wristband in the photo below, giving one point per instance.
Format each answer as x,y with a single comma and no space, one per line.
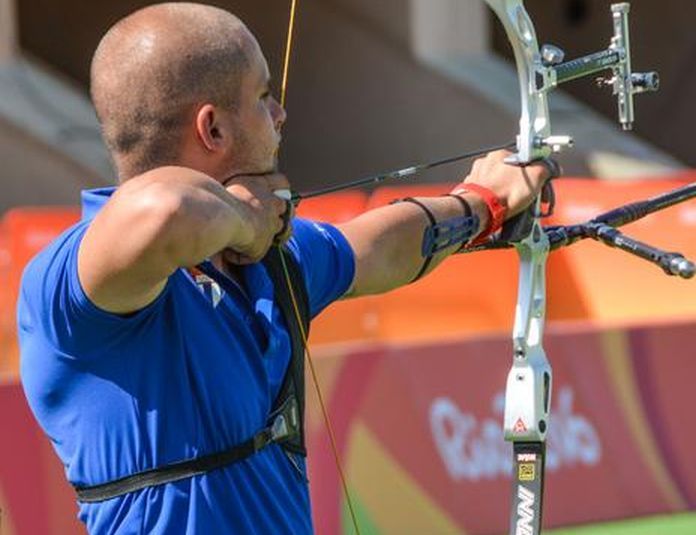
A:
496,209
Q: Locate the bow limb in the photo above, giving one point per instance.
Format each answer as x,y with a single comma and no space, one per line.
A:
535,129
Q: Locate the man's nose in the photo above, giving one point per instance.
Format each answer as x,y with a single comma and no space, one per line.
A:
279,115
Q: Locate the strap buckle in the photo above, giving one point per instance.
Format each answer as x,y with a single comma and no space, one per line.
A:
286,420
284,424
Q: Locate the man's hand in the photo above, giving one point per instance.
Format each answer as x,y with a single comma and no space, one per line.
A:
516,187
266,216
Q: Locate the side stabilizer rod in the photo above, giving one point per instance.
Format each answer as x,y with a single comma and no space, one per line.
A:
671,263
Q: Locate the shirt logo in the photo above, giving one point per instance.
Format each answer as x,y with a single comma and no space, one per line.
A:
208,287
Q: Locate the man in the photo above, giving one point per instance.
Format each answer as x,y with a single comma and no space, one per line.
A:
128,367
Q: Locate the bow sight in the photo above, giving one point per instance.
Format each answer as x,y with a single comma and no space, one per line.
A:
541,70
617,57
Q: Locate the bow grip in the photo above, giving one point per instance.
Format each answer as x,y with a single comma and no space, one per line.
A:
520,226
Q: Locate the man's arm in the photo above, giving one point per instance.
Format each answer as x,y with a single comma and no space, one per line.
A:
387,241
169,218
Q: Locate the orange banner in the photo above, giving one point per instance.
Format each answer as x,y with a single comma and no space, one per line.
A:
23,233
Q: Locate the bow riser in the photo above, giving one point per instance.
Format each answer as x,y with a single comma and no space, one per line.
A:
528,388
528,385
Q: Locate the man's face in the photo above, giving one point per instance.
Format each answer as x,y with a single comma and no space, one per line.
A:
257,121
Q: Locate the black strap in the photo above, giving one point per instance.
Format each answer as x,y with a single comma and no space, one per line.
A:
287,414
280,428
294,381
433,224
465,205
276,261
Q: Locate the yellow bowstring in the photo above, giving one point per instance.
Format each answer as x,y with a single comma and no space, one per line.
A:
288,53
322,404
310,361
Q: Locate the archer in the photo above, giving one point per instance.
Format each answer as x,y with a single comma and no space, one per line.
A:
172,406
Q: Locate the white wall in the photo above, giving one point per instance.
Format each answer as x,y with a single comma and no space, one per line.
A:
449,28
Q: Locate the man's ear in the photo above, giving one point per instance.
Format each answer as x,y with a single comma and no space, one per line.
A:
209,128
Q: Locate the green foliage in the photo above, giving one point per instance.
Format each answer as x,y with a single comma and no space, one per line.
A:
682,524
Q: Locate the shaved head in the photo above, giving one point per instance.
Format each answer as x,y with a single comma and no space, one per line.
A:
153,68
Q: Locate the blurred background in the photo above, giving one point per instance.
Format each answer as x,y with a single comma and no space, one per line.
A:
414,378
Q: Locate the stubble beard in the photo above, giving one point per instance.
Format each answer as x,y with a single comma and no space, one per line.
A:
253,163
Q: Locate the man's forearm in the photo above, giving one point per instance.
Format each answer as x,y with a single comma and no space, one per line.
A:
388,241
151,226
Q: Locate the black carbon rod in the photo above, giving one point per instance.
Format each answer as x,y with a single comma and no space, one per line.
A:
398,173
671,263
637,210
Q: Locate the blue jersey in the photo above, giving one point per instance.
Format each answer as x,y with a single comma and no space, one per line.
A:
195,372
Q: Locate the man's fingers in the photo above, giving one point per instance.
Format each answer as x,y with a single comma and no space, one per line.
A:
553,168
279,206
285,231
270,210
277,181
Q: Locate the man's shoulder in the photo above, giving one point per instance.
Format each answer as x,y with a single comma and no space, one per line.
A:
326,260
53,259
303,226
311,234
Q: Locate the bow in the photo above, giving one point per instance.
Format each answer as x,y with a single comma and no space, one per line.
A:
528,390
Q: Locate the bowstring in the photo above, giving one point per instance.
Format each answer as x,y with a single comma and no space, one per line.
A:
288,53
288,281
322,404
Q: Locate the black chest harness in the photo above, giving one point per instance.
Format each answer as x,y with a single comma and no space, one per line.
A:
285,424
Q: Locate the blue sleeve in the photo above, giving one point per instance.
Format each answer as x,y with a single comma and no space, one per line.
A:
326,260
54,305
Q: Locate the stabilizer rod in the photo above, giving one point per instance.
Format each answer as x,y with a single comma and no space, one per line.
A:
671,263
